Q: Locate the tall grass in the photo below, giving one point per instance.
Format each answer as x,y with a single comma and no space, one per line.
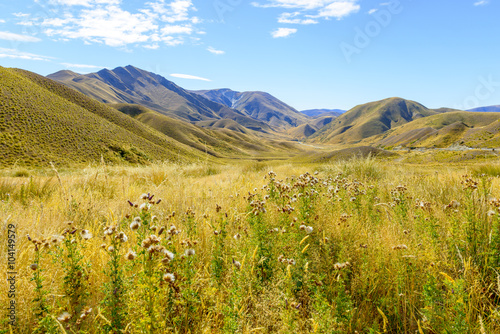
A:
360,246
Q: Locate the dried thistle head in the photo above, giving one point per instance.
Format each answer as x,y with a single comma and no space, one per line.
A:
85,234
169,277
131,255
189,252
64,317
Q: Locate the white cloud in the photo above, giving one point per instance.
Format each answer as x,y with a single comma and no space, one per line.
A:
215,51
187,76
293,18
307,11
108,22
152,46
339,9
2,21
5,35
372,11
15,54
481,3
283,32
80,66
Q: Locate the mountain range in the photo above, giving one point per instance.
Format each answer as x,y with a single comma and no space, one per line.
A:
128,115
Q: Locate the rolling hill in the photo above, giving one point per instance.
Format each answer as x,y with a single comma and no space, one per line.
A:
44,121
371,119
229,140
132,85
259,106
443,130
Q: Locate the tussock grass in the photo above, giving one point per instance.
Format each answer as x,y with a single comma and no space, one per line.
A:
360,246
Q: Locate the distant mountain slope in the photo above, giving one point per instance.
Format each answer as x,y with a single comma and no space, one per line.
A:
43,121
230,140
322,112
441,130
258,105
487,109
132,85
371,119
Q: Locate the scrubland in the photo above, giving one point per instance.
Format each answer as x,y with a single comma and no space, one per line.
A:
361,246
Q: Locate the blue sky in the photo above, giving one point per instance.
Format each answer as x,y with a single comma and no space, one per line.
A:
308,53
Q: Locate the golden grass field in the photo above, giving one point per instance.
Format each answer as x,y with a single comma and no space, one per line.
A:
363,246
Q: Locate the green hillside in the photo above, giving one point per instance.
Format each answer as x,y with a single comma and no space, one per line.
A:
442,130
371,119
42,121
219,143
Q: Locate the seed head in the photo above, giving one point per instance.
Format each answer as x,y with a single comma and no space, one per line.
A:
237,236
131,255
85,234
111,249
170,278
189,252
34,266
309,229
122,237
64,317
237,264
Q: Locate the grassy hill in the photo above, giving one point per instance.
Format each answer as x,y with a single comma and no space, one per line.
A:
42,121
442,130
231,139
371,119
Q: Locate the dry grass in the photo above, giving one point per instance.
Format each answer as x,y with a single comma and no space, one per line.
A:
379,248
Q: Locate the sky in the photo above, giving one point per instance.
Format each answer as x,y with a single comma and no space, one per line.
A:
310,54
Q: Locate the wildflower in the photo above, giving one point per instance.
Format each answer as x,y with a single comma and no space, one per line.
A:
309,229
135,225
131,255
111,249
56,239
122,237
144,196
64,317
145,207
109,230
86,311
169,256
85,234
189,252
34,266
340,266
169,277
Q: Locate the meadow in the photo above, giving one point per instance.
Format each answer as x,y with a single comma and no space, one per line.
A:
359,246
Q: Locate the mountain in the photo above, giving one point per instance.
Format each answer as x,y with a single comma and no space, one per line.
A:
371,119
258,105
487,109
228,140
132,85
44,121
323,112
442,130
